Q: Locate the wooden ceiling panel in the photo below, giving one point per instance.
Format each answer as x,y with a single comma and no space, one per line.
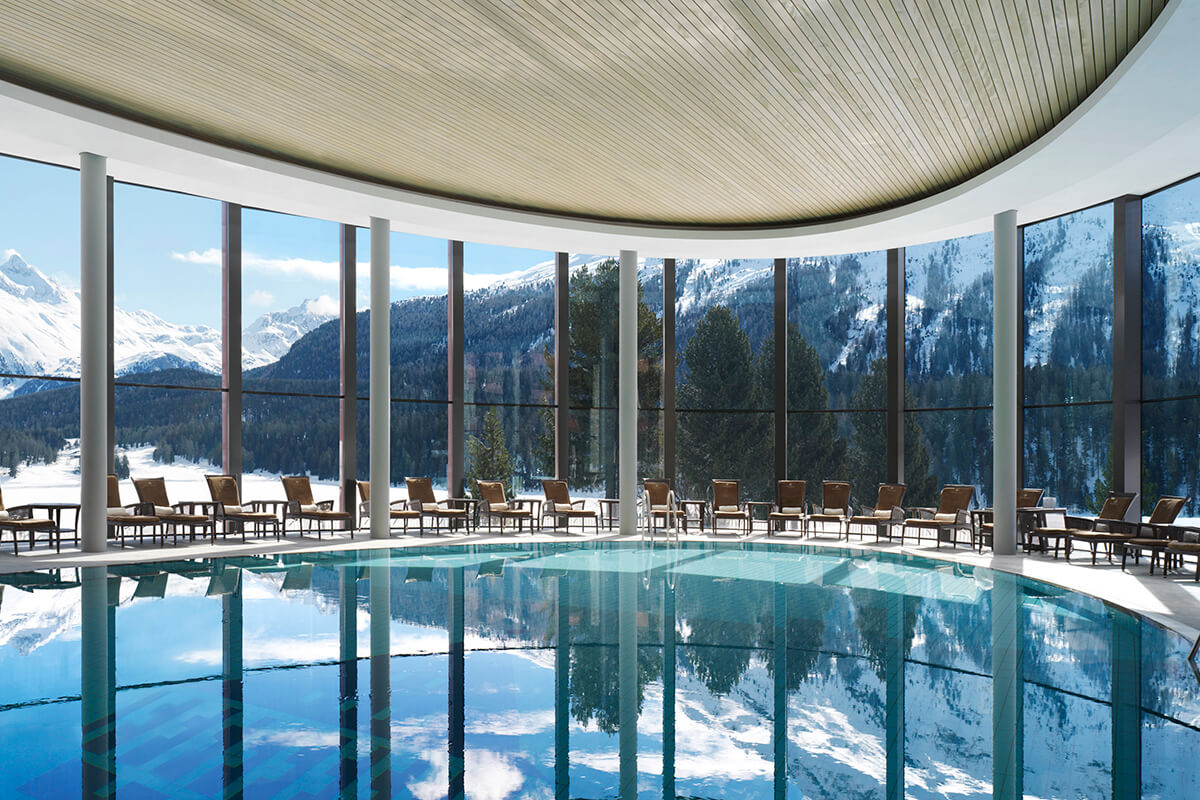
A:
692,112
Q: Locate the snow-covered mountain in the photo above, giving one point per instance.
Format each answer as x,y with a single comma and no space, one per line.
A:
42,334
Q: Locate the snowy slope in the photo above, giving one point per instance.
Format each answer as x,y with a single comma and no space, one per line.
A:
42,333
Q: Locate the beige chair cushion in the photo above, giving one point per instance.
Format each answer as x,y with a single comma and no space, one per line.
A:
659,509
5,514
235,509
792,510
498,506
882,513
834,512
119,512
162,511
727,508
945,518
309,509
563,508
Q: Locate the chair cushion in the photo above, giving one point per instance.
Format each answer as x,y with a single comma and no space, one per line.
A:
306,508
882,513
834,512
564,508
162,511
4,514
235,509
944,518
498,507
792,510
727,508
119,512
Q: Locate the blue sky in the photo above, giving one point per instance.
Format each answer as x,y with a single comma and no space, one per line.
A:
167,249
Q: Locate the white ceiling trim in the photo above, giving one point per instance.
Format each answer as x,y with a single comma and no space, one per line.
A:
1138,131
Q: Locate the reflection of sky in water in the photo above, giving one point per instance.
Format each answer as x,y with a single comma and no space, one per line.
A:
169,661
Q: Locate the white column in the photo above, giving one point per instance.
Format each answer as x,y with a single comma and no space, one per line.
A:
1005,403
93,354
380,383
627,410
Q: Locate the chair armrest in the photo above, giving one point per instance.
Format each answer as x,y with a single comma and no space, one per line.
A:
325,505
963,518
271,506
403,504
142,509
20,512
1118,526
921,512
1080,523
292,507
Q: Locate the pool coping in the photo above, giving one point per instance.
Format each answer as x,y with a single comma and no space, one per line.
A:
1172,602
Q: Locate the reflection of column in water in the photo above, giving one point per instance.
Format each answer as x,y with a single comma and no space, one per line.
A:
668,742
894,686
562,697
380,584
348,668
780,717
231,691
1007,689
1126,705
627,685
96,712
456,694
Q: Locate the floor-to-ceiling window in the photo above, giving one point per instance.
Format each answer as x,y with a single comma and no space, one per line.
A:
1170,346
592,381
837,371
419,278
508,336
724,375
948,368
39,339
1068,357
290,352
166,338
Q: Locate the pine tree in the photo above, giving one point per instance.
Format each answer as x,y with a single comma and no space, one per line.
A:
715,437
488,456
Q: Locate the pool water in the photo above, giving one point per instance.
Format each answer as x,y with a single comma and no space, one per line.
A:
585,671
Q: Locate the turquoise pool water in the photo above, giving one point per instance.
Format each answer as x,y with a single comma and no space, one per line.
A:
584,671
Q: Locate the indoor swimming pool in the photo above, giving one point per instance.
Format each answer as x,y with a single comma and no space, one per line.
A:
591,670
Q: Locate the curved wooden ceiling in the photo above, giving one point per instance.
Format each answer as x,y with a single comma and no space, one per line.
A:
687,112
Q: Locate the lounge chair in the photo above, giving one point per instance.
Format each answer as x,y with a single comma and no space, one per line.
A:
397,510
563,509
886,513
1160,526
727,505
230,511
496,506
658,493
121,517
834,508
1027,500
19,520
302,508
421,497
1187,545
788,507
1108,528
947,519
152,492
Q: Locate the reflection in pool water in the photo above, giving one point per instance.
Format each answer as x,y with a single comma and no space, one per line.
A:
593,670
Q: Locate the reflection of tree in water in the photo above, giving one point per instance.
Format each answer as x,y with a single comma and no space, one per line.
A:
871,619
808,607
595,655
722,620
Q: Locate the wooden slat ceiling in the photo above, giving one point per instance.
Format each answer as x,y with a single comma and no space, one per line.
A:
694,112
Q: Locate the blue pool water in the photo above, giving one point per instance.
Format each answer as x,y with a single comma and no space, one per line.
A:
584,671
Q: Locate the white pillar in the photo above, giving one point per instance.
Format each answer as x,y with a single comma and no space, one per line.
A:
380,382
1005,403
93,354
627,395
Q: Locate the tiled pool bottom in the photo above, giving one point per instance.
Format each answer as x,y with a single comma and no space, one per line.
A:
591,670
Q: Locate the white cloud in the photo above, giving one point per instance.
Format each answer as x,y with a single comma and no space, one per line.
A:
488,775
261,298
211,257
324,305
515,723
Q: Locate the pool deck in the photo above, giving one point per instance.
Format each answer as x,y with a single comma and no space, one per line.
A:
1173,602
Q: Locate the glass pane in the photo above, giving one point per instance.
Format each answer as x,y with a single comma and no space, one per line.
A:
725,444
290,290
39,457
948,323
509,443
418,441
1069,308
1171,291
839,445
837,319
1068,453
169,433
1170,459
947,447
592,319
283,435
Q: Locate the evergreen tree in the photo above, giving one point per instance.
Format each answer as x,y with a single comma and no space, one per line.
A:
715,438
488,457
